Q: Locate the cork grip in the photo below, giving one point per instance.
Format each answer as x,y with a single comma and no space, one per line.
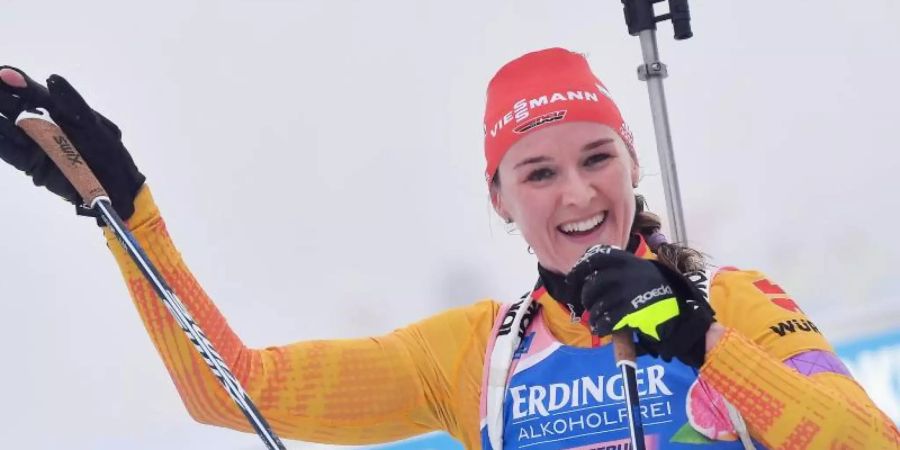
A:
40,128
623,346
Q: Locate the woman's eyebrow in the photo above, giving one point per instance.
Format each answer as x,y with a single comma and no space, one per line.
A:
594,144
532,160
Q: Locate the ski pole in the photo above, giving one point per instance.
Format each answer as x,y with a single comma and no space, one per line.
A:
38,125
626,360
641,21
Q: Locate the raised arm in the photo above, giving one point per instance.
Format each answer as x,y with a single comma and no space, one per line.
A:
419,378
351,391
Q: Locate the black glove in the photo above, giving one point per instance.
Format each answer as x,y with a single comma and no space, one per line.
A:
98,139
621,290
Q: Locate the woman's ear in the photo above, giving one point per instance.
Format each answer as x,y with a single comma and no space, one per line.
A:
497,203
635,171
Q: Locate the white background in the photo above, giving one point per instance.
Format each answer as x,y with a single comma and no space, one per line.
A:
320,165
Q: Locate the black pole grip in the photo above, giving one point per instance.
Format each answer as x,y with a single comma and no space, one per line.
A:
681,19
639,16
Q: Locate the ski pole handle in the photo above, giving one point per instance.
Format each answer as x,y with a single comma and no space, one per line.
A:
623,346
38,125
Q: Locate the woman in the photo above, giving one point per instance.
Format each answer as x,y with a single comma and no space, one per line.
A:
560,166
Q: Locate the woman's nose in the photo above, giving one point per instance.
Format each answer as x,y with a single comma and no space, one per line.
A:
577,191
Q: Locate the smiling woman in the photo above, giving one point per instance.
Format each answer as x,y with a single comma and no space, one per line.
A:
568,170
568,187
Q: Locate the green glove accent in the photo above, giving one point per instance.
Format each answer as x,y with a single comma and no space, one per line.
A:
648,318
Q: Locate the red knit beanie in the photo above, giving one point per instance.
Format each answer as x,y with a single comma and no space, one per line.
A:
540,89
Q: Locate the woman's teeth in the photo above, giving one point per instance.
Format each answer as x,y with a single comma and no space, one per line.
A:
584,225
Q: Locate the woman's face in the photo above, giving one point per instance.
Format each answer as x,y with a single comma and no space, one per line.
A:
568,187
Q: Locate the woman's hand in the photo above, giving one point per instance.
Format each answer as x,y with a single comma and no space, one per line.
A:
621,291
97,139
714,335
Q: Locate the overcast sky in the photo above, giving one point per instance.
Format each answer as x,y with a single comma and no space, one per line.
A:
319,164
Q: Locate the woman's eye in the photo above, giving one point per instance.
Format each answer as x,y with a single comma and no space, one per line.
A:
595,159
539,175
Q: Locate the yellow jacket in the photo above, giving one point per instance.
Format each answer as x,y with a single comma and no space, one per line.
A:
427,376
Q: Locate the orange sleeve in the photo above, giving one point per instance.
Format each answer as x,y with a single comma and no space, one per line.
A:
774,365
352,391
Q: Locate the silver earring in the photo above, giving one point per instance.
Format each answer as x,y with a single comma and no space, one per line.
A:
510,226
